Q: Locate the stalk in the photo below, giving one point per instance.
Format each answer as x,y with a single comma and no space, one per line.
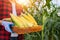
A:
43,28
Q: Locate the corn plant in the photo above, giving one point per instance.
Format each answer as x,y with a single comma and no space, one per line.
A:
47,16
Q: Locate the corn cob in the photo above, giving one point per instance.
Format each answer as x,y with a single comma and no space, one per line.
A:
31,17
26,21
25,25
16,21
26,16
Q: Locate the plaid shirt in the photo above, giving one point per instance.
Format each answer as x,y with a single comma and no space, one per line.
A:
5,9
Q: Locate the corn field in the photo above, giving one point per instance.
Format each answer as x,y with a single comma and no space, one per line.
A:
46,14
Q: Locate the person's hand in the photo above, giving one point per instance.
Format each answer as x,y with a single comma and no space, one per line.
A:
8,26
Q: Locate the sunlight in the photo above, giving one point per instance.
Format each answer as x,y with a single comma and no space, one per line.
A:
23,2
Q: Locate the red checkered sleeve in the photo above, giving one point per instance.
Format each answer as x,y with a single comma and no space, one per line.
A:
5,9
